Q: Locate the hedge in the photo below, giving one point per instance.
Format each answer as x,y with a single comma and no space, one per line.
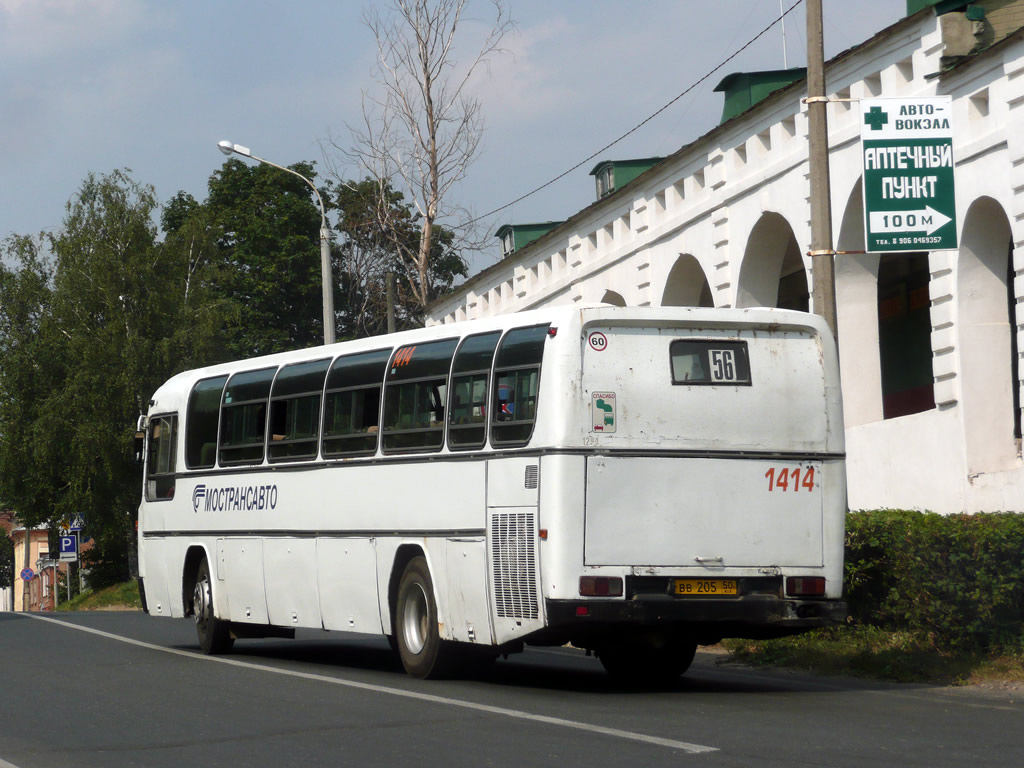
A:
957,580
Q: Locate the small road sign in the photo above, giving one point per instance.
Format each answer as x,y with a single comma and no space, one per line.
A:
27,574
69,547
909,194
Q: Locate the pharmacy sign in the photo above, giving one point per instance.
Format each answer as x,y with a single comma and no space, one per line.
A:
909,199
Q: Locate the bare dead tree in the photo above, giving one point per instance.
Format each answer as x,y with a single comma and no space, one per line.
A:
421,129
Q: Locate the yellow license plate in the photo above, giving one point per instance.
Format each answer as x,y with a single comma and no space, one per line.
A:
706,587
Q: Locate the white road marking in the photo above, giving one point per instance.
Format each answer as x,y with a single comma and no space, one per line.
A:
5,764
502,711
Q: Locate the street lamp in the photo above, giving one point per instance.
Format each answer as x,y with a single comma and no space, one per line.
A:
325,234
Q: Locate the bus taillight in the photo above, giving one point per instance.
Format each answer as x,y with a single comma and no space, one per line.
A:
805,586
601,586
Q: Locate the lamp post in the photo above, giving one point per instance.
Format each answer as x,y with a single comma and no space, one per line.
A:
325,234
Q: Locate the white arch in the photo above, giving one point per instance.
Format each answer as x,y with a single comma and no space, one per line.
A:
857,316
989,376
772,255
687,285
614,298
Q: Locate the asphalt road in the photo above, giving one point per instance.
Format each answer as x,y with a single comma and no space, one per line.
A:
125,689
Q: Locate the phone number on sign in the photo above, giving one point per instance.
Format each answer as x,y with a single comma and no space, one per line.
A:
916,240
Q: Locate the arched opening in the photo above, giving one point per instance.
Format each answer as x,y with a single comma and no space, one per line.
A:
857,315
989,361
772,273
905,334
687,286
613,298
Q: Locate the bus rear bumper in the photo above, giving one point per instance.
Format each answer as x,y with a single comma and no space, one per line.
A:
753,616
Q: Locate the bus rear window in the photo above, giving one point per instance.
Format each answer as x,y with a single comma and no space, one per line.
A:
352,403
415,396
244,416
295,411
201,426
516,382
710,362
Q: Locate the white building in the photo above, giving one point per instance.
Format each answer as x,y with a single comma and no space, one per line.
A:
929,343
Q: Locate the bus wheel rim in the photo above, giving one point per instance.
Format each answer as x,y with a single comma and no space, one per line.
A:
415,618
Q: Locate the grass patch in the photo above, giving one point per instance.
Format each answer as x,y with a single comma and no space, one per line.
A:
866,651
124,596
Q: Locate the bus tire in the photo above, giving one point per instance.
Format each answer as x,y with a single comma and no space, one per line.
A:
655,659
214,633
422,651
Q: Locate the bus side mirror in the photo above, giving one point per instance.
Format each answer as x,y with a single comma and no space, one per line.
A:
140,442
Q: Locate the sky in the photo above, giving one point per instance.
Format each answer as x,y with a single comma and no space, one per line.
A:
97,85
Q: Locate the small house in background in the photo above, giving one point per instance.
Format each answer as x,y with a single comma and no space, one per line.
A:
612,175
516,236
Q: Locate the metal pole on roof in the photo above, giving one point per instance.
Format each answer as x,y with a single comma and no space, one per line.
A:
821,252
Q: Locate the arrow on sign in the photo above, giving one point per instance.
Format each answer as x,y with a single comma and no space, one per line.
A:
926,221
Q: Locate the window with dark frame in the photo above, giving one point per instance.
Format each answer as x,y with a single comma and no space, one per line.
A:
709,362
202,420
415,397
352,404
161,458
243,417
295,411
467,408
516,384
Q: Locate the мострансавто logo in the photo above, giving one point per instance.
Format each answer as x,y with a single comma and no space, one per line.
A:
234,498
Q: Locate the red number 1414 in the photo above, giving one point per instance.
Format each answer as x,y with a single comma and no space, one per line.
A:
784,479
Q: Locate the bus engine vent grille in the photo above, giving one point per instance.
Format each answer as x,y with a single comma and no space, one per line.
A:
514,560
532,476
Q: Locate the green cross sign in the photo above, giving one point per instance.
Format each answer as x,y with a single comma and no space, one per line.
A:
876,118
909,196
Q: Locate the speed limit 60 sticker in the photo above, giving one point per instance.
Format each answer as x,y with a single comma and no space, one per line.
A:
598,341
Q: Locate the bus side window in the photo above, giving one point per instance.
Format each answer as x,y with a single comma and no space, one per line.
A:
201,423
415,394
295,411
467,422
161,458
244,416
517,379
352,404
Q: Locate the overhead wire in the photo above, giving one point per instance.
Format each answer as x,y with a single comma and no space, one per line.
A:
643,122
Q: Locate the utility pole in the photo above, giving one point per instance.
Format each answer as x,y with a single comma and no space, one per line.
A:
823,273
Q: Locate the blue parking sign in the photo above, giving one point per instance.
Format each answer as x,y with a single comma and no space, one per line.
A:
69,546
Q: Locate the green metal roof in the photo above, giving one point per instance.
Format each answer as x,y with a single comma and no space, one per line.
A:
744,89
524,234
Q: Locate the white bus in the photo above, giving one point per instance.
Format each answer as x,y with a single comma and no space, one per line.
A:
633,481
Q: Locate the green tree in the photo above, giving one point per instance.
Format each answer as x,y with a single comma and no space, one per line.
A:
267,229
87,335
31,368
371,246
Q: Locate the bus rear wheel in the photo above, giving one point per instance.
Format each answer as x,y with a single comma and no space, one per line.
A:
214,634
422,651
649,659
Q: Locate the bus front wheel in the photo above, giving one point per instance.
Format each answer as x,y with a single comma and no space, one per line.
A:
422,651
214,634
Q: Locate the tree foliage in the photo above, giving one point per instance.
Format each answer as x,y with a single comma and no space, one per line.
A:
370,248
95,317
